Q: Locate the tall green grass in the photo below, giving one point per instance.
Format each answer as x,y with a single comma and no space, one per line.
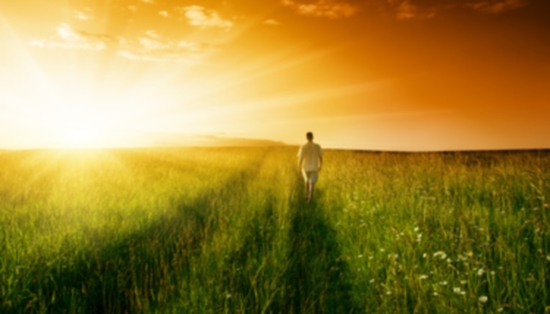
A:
228,230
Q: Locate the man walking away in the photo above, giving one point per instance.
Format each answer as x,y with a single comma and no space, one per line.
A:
310,160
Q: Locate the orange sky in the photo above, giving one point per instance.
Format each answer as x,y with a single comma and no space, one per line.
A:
360,74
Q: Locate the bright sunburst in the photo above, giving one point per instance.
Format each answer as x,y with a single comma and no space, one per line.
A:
76,127
73,73
82,137
79,137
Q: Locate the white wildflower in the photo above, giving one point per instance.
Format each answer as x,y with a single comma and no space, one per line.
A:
483,299
480,271
422,277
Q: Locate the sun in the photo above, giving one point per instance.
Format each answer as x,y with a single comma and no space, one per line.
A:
79,136
83,137
77,127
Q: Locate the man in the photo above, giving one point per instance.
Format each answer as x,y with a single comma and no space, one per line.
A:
310,160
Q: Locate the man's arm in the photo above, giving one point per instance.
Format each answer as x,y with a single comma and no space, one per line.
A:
300,159
320,158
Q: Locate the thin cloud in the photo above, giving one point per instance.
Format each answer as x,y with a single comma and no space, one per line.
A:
323,8
68,38
160,56
163,13
132,8
156,49
424,9
138,57
201,17
151,48
271,22
149,1
194,47
153,45
152,33
106,39
496,7
406,10
84,15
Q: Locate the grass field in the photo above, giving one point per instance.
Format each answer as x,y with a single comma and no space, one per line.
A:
228,230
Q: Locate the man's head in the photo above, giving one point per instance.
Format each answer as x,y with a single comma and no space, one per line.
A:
309,136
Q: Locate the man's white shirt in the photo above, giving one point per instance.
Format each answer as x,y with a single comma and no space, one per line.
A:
310,153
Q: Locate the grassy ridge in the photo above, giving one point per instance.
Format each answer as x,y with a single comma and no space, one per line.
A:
228,230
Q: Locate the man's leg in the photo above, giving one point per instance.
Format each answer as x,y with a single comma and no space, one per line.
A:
313,180
306,181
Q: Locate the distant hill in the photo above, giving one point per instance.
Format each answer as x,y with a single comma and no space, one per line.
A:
158,139
170,139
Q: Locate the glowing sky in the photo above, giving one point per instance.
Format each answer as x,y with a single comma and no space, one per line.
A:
360,74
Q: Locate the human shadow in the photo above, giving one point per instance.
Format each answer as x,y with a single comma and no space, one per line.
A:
315,279
318,277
